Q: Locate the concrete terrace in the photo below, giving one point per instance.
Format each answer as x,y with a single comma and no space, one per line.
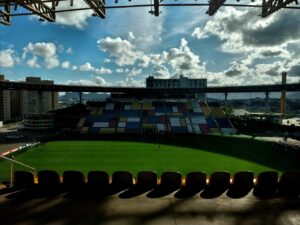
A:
168,210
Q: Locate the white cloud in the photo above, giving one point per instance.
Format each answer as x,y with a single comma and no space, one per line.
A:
103,70
195,17
130,82
60,48
106,60
161,72
51,62
69,50
184,61
143,60
227,25
6,58
101,81
77,19
120,70
81,82
74,67
33,62
123,51
134,72
239,35
131,36
219,79
292,67
66,65
96,81
88,67
144,28
44,50
262,45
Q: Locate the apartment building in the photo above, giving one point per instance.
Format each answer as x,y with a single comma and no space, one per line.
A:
14,104
182,82
4,103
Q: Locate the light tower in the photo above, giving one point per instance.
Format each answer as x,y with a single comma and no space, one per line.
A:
283,94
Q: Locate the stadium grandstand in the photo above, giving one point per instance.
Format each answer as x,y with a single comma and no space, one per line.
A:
186,117
160,154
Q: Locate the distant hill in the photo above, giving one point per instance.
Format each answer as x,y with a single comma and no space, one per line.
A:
294,95
85,96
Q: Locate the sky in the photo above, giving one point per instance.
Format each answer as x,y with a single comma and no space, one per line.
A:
234,47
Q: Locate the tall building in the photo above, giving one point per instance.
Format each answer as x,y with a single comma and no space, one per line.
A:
15,106
4,103
16,103
182,82
37,101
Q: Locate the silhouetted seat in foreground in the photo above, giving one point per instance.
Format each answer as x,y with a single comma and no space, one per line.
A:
23,179
266,185
169,182
242,184
98,183
219,182
194,183
48,182
24,187
289,184
146,181
73,181
121,180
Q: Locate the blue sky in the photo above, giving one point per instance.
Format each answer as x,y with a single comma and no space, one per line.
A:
234,47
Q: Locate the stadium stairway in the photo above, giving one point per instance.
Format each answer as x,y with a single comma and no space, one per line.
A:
266,185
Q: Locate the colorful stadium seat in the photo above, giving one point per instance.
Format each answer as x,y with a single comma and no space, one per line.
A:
157,117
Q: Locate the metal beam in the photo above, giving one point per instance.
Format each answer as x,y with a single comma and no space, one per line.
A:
271,6
5,15
37,7
9,85
98,6
156,8
214,5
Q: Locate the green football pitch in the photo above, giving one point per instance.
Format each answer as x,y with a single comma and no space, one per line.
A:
184,154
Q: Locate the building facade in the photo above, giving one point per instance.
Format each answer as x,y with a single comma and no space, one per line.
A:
37,101
39,121
4,103
16,103
182,82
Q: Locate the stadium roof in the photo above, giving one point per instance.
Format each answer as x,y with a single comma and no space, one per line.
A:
47,9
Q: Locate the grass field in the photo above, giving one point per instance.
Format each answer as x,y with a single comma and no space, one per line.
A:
207,154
